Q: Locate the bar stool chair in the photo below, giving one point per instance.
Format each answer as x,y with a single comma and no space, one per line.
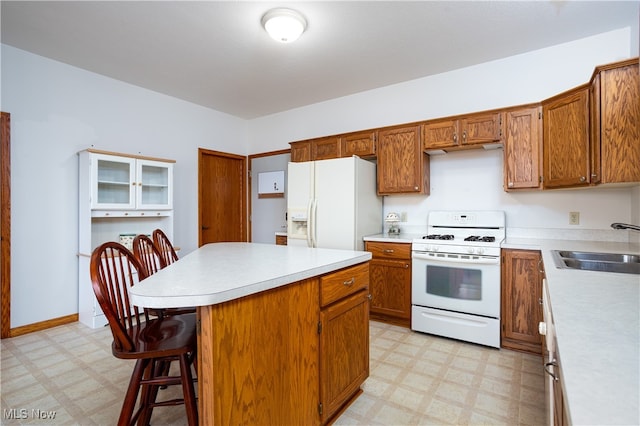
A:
164,246
152,343
148,255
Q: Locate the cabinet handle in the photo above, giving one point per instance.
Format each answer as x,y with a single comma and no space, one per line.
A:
349,282
133,184
593,175
510,184
389,250
142,214
464,137
455,138
546,370
583,179
406,266
540,267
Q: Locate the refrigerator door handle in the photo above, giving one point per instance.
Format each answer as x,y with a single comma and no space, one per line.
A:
313,227
309,223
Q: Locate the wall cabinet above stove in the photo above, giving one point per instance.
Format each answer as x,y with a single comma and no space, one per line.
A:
462,132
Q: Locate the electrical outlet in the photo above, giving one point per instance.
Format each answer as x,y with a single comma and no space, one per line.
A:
574,218
403,216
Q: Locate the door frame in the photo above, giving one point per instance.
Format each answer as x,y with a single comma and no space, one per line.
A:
250,195
202,187
5,224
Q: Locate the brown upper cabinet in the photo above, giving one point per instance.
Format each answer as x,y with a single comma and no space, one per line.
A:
362,144
566,139
402,166
523,148
462,132
615,123
316,149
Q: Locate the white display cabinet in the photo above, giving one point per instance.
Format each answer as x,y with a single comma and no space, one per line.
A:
121,182
119,194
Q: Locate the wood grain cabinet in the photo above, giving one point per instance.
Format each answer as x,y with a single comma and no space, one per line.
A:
390,282
300,151
521,300
615,123
462,132
344,337
566,139
362,144
402,166
316,149
523,148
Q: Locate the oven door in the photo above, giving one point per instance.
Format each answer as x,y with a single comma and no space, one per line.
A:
454,282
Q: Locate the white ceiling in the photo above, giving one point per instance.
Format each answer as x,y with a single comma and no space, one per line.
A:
217,54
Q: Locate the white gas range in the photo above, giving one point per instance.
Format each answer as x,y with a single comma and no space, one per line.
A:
456,276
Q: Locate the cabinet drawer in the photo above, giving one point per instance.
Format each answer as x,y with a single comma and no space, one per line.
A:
340,284
389,250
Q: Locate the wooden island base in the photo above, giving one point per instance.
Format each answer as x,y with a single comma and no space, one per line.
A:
293,355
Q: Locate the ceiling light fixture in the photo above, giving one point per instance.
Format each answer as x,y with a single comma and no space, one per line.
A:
284,25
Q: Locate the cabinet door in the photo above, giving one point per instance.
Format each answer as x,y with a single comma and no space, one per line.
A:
566,140
362,144
344,351
154,185
113,182
390,286
441,134
521,296
300,151
402,166
325,148
481,129
619,125
523,149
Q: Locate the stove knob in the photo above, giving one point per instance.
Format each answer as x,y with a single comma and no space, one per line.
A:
480,250
470,250
436,248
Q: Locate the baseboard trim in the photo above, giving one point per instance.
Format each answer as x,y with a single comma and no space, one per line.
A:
42,325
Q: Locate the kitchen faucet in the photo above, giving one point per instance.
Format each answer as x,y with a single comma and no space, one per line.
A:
625,226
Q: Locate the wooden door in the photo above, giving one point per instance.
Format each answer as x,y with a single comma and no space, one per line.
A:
521,295
402,166
362,144
344,351
440,134
5,224
482,128
523,149
566,140
222,195
391,288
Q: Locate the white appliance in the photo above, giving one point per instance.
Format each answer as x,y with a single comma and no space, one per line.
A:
332,203
455,284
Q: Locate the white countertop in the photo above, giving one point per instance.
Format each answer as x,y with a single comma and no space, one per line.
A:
220,272
597,322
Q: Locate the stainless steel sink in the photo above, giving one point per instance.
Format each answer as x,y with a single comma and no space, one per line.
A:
603,262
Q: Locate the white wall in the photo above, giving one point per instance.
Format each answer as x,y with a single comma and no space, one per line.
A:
57,110
474,179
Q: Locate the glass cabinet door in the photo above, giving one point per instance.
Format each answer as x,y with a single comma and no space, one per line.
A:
113,182
154,189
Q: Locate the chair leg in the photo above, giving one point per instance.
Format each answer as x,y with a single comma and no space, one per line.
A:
132,392
188,391
149,392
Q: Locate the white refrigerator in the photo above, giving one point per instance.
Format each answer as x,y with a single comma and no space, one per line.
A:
332,203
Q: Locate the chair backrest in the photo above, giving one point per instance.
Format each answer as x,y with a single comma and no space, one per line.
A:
164,246
113,270
147,254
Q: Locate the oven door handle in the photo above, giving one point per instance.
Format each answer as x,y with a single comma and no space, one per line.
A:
477,261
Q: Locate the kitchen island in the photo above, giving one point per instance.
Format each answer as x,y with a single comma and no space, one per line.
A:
283,331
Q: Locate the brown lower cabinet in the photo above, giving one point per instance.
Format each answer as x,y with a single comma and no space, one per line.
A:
390,282
522,276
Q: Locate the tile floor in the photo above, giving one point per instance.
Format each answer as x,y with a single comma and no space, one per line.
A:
415,379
